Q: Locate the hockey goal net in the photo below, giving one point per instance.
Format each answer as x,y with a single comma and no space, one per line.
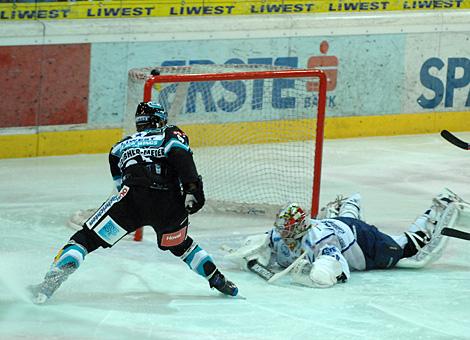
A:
256,131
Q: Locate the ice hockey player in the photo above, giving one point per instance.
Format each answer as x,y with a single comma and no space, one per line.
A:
158,185
328,249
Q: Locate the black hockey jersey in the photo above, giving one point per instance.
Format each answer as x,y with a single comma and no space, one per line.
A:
159,158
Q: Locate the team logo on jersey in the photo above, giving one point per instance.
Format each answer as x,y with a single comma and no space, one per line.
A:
330,251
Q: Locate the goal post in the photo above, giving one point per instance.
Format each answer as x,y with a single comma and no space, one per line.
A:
256,131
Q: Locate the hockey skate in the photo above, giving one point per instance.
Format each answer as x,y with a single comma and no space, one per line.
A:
425,233
331,209
434,214
445,198
52,281
219,282
342,206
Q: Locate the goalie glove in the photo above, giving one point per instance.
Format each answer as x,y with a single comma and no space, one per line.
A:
194,196
255,247
325,272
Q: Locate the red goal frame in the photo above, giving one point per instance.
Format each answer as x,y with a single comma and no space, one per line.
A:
295,73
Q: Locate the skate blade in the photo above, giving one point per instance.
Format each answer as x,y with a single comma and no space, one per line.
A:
236,297
37,297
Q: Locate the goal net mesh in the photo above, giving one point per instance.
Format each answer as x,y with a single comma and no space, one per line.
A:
253,139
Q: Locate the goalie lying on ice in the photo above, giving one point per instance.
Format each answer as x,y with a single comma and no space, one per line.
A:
340,242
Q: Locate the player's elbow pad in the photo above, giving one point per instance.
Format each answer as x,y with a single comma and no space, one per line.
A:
194,196
326,272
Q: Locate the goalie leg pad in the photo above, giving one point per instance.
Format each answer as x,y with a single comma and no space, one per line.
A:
343,206
351,207
416,241
434,248
331,209
428,221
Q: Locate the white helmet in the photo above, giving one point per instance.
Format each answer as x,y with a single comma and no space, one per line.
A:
292,222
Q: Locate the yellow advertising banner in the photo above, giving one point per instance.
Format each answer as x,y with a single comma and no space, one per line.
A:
141,9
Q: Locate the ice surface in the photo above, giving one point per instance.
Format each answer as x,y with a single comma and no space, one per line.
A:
134,291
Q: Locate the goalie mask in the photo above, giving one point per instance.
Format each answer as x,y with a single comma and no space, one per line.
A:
292,222
150,115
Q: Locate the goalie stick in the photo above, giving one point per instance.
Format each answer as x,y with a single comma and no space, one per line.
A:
267,274
264,272
451,138
260,270
451,232
253,265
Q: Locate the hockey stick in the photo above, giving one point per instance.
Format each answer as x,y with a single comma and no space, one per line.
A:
451,138
264,272
260,270
253,265
277,276
451,232
267,274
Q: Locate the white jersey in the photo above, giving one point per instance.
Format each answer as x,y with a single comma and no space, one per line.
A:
327,237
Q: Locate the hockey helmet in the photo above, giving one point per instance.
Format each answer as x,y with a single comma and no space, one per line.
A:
292,222
150,115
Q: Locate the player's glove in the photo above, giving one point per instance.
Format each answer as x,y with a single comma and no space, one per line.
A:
194,199
326,271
